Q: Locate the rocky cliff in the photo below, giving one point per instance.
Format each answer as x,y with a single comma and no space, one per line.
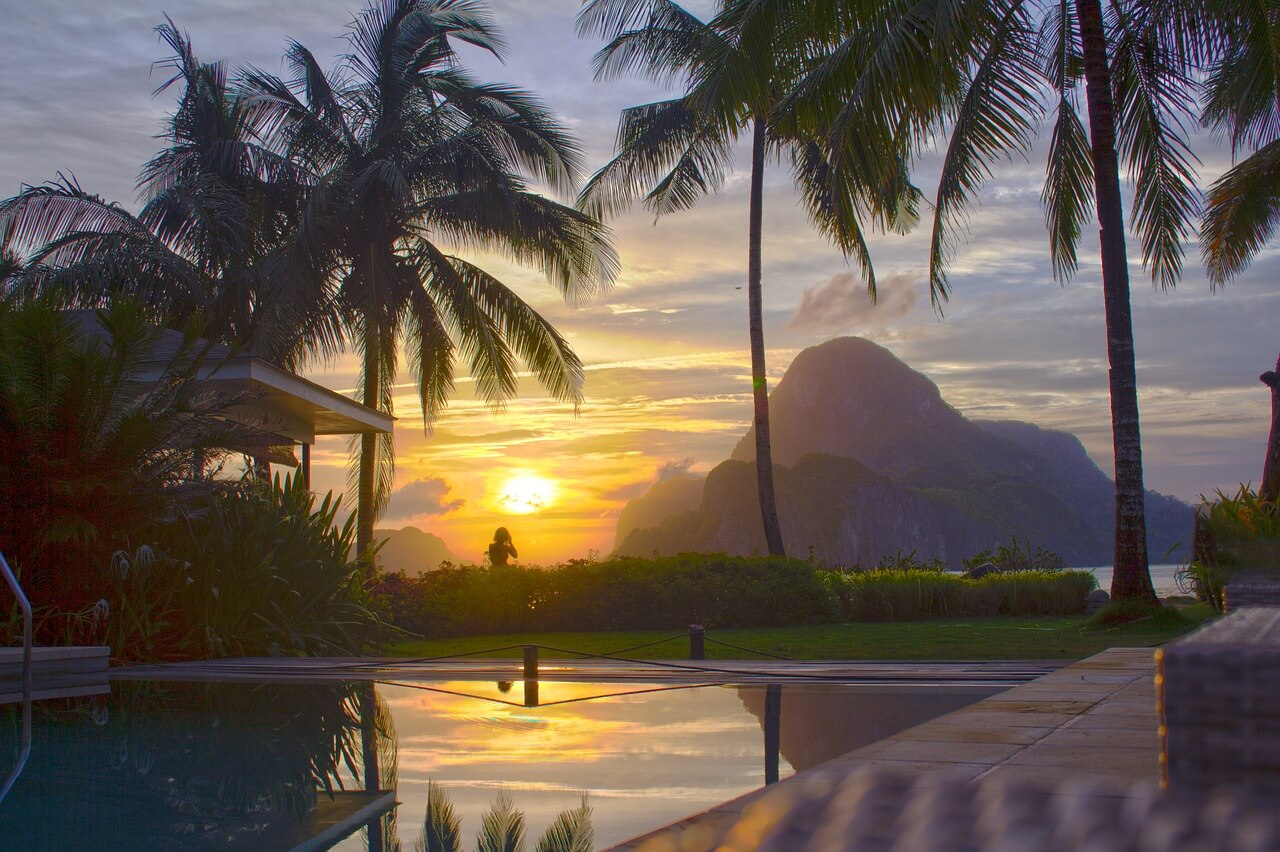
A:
411,550
871,460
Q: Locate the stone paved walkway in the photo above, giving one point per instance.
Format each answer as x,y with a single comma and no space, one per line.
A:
1096,719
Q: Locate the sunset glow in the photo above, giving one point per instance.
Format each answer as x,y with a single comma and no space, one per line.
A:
665,351
526,494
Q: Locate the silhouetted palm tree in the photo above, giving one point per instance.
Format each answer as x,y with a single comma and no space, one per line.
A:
674,151
218,205
981,70
1242,100
409,158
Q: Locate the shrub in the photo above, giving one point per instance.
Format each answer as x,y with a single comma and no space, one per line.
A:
1244,535
252,571
1017,556
622,593
910,595
714,590
92,459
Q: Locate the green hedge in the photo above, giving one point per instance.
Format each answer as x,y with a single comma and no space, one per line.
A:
710,589
912,595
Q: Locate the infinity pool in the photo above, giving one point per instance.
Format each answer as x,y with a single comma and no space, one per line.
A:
165,765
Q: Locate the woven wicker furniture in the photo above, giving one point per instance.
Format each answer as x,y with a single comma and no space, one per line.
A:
1219,703
1251,591
882,810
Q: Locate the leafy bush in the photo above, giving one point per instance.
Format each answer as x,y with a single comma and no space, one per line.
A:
909,595
909,562
621,593
1017,556
92,458
257,570
714,590
1243,534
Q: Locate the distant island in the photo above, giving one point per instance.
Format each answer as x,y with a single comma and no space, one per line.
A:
412,551
870,460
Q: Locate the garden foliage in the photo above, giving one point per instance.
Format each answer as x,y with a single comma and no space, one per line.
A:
715,590
258,570
1244,535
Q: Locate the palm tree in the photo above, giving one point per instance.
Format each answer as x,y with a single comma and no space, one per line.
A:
217,205
672,152
502,827
409,158
1242,99
1002,55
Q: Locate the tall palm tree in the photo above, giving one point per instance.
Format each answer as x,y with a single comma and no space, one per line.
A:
671,152
408,159
217,205
1242,100
984,68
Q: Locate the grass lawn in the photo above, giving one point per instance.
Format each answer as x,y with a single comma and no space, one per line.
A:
1030,638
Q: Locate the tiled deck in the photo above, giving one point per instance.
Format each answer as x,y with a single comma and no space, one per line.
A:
1096,718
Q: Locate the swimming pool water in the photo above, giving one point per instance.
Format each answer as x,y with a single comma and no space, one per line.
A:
166,765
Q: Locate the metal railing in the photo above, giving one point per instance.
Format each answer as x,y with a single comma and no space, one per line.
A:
25,753
12,580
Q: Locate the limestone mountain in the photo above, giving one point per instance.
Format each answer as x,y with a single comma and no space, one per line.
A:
664,499
412,551
870,460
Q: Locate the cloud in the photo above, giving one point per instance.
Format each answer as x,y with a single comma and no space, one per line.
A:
428,496
842,303
672,469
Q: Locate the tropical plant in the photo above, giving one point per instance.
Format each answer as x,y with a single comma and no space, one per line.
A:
407,158
209,239
258,570
1243,534
97,440
502,828
1017,556
981,69
672,152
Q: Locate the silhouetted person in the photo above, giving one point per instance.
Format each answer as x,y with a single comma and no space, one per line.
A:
502,549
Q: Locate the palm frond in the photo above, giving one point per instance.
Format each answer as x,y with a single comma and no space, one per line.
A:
666,155
571,831
502,827
1154,103
441,827
994,121
1241,215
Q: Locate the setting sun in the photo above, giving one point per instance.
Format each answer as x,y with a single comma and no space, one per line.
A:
525,494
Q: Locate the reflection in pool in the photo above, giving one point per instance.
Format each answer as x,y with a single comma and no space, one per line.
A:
238,766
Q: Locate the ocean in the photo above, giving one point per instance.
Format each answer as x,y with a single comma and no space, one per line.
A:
1163,577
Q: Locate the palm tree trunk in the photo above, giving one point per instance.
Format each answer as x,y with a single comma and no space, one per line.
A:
1270,489
1131,579
755,318
368,441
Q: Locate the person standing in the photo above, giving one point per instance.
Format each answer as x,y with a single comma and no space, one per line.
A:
501,549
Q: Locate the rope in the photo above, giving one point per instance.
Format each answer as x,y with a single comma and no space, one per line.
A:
649,644
748,650
416,660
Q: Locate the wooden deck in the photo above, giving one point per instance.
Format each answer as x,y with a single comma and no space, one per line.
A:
1095,719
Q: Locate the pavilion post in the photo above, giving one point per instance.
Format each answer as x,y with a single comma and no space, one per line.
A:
306,465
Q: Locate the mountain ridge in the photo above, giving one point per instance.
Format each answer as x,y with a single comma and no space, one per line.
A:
871,460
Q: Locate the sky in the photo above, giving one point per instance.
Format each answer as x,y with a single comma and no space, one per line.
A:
666,348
